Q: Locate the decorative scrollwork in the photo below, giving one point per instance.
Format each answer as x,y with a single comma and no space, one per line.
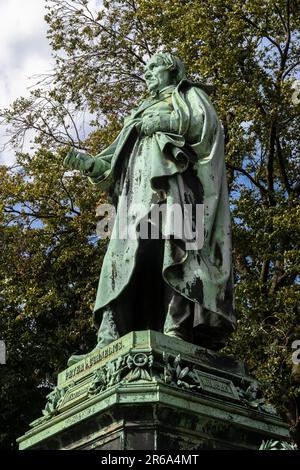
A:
54,399
252,398
140,366
174,371
107,376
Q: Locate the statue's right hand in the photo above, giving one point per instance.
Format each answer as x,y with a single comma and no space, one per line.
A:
71,160
78,161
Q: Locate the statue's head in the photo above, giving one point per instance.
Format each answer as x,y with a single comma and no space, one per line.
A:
163,69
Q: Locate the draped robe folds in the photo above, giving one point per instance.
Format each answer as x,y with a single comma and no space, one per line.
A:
186,166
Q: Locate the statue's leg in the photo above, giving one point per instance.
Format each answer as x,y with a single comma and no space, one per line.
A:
107,332
179,317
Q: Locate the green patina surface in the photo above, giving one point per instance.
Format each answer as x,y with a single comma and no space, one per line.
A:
147,389
205,390
171,150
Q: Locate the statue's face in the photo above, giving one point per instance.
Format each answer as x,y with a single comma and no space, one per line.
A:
157,75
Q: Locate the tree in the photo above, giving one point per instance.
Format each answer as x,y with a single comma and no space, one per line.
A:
249,51
45,291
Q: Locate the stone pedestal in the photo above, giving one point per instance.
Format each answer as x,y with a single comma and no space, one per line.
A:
152,392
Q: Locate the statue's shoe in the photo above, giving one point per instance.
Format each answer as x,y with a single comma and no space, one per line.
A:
74,359
177,336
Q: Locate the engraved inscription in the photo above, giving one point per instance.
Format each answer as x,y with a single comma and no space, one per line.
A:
74,396
214,385
90,361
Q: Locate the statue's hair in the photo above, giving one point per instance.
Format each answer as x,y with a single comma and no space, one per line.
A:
173,63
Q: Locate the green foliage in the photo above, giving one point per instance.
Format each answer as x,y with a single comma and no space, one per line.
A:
49,270
249,50
277,445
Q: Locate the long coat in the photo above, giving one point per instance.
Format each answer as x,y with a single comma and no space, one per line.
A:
186,167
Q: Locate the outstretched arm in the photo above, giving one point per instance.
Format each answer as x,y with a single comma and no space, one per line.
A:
89,166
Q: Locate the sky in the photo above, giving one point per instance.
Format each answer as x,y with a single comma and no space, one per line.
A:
24,52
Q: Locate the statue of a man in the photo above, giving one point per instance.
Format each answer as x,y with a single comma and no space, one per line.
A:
169,152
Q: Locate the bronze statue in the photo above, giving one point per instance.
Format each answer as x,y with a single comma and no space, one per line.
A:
169,153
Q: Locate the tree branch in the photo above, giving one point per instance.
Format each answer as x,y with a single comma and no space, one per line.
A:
281,162
281,17
288,39
290,68
244,172
265,270
270,163
241,264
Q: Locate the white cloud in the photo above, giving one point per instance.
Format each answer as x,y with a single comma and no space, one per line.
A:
24,52
7,157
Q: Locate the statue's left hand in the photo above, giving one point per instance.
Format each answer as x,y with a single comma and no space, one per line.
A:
150,124
155,123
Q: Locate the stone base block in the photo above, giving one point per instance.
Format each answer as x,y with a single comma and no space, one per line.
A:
151,392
